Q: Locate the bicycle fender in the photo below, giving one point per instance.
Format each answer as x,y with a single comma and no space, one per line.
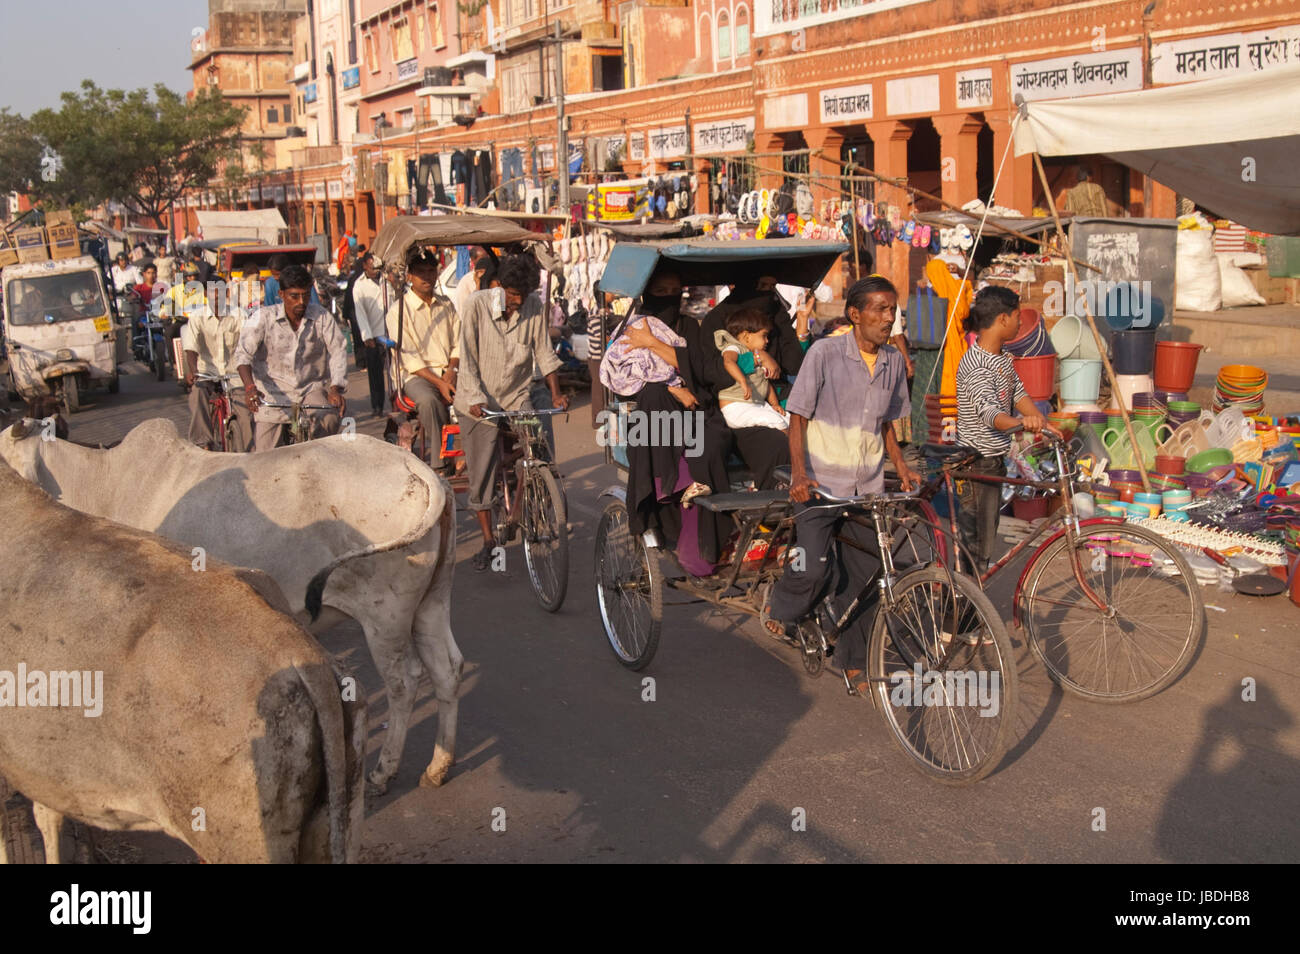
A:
615,492
1042,548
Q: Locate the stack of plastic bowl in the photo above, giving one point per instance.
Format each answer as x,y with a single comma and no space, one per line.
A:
1032,339
1180,412
1175,503
1241,386
1127,482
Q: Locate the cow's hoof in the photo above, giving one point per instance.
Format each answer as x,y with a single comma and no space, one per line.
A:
435,774
376,786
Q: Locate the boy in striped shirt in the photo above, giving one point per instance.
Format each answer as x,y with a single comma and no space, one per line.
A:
988,393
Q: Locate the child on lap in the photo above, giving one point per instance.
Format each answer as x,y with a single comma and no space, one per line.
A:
751,401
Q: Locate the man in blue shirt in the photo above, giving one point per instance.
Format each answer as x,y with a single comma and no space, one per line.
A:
271,287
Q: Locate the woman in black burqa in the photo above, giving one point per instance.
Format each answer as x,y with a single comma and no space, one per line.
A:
658,475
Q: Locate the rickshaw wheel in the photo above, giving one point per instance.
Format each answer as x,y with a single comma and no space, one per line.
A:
629,589
71,393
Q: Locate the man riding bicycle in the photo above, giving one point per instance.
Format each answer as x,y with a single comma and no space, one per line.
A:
502,333
209,341
296,354
429,359
848,391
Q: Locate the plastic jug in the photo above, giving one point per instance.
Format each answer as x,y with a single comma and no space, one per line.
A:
1121,451
1092,442
1230,427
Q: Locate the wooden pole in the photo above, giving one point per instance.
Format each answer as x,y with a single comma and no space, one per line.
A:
1101,345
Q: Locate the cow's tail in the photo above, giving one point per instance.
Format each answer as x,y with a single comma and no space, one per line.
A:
316,588
338,737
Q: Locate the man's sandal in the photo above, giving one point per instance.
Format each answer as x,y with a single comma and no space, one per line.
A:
857,678
483,559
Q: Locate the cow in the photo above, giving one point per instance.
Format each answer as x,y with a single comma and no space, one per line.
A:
348,526
160,698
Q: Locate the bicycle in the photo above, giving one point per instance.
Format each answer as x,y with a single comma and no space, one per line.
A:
299,425
528,495
221,415
1112,610
935,641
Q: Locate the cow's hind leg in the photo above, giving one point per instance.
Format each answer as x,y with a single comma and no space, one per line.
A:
50,824
443,661
390,649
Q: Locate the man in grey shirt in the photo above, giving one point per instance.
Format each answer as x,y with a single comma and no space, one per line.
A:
502,333
292,353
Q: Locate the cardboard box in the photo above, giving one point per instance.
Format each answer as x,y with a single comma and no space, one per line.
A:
8,254
61,217
1273,289
63,241
31,245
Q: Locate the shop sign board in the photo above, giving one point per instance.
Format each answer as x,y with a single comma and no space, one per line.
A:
1227,54
1083,74
728,135
974,88
845,104
669,142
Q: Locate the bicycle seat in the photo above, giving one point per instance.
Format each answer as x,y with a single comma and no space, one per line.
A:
742,502
948,454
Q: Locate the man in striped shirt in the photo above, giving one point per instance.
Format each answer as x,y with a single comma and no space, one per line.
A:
988,391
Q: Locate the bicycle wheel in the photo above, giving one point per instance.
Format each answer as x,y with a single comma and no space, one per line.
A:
944,677
1146,636
916,542
546,537
629,589
220,427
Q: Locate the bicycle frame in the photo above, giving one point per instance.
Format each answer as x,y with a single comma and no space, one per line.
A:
1067,524
525,427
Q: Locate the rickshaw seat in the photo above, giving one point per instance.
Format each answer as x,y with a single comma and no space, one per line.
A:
742,502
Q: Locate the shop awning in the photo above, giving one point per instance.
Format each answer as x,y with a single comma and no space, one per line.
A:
1228,144
998,226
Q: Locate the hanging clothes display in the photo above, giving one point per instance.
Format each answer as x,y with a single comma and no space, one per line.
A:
460,175
514,187
413,183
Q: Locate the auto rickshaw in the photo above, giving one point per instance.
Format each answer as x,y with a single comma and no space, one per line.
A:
58,323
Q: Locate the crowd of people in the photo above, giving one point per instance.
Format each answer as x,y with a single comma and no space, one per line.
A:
769,384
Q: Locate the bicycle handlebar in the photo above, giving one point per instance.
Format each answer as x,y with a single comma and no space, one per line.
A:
866,499
518,414
304,407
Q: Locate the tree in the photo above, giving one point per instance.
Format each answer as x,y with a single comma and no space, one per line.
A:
144,152
20,153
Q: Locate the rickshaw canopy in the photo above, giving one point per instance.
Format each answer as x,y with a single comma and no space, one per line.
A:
398,236
801,262
256,258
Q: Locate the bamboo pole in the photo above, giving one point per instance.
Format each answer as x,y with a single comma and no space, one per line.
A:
1101,345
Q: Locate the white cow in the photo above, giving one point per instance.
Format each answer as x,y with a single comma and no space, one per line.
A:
138,694
348,526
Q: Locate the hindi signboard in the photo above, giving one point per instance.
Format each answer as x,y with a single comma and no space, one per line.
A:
845,103
728,135
1226,54
974,88
1083,74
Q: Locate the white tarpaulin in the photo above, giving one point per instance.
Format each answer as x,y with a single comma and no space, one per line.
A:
1229,144
265,224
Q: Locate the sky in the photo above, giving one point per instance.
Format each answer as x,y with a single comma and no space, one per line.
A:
49,46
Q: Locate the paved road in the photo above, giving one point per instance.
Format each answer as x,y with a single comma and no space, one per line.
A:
555,734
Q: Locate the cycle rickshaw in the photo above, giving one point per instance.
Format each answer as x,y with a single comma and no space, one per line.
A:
528,499
934,636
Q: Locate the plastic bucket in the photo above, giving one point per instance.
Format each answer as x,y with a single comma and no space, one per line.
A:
1038,375
1080,380
1175,364
1133,352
